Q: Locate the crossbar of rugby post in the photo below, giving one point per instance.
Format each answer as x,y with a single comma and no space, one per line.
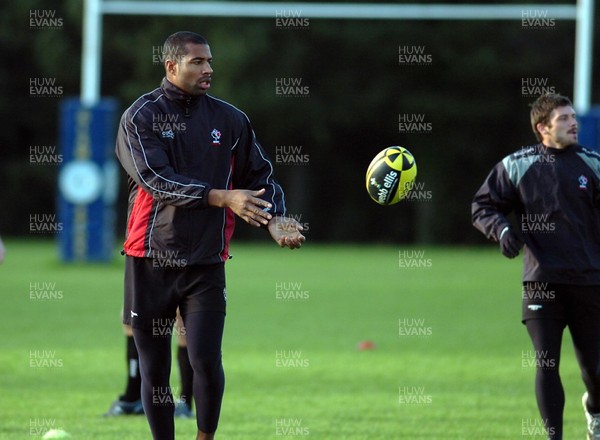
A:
582,13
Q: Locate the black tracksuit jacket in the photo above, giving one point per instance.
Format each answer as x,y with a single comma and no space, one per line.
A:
555,196
175,148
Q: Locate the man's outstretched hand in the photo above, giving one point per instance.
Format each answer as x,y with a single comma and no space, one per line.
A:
247,205
244,203
287,232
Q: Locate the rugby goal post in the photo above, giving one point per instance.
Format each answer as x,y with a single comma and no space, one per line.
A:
582,13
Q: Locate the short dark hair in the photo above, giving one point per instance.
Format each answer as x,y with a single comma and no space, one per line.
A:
542,107
175,48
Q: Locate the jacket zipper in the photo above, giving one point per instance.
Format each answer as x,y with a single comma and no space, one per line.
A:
187,108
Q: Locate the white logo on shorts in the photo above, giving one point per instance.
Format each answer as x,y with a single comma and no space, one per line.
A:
225,293
534,307
133,314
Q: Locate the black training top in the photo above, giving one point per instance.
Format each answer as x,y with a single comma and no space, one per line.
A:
176,148
555,194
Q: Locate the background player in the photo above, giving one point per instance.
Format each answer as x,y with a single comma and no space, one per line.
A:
554,190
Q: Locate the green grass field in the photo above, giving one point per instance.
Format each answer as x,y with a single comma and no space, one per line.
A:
450,360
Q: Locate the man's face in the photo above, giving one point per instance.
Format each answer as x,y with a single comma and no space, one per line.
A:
193,72
561,130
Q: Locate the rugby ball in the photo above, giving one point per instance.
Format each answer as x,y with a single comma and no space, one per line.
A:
391,175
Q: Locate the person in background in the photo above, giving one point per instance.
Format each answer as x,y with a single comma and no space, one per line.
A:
553,187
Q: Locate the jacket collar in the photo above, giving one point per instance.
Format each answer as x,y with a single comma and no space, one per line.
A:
174,93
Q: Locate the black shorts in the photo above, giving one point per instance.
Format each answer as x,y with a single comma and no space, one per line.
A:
560,301
153,292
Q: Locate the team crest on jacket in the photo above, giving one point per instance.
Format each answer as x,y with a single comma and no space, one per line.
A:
583,181
216,135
